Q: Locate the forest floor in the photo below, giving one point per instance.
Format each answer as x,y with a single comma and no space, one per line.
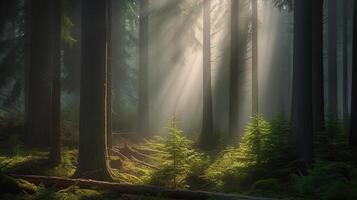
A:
130,163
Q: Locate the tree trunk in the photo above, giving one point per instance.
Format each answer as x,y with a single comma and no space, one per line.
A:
302,81
234,70
92,155
206,137
345,62
109,77
143,114
332,59
255,83
27,59
55,151
39,78
353,123
317,66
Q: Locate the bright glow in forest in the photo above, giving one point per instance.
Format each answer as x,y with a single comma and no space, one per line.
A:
178,99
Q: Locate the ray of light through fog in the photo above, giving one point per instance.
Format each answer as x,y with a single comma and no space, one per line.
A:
175,63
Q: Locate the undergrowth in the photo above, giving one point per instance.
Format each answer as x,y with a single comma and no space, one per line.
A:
179,164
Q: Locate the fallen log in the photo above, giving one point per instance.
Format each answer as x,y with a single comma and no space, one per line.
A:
132,189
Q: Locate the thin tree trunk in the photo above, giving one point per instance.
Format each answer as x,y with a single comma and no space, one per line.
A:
332,59
55,151
255,79
109,76
317,66
27,49
206,138
234,70
302,81
143,69
345,62
92,152
353,123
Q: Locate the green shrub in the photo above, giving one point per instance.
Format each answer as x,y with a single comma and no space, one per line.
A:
177,158
262,152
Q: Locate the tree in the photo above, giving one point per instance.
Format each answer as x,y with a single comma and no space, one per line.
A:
255,83
317,66
38,121
206,138
332,58
353,122
55,151
302,81
109,77
345,60
143,68
92,152
234,69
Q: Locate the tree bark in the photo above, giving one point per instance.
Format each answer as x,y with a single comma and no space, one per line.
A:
206,137
255,79
234,70
39,79
345,62
332,59
353,122
109,77
317,66
302,81
55,150
92,152
143,111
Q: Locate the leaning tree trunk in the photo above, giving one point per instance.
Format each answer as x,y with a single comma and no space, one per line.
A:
302,81
206,137
353,123
92,158
55,151
255,83
332,59
143,114
234,70
38,120
317,66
